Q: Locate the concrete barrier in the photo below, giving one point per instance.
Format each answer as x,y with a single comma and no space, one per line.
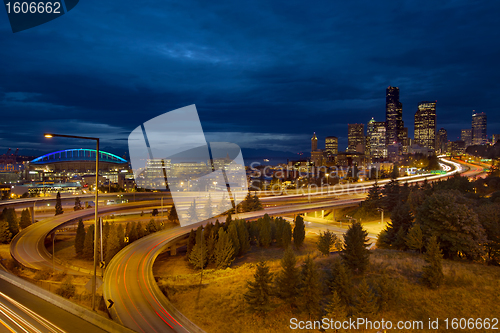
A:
77,310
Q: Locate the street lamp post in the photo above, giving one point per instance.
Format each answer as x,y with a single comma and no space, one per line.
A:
96,223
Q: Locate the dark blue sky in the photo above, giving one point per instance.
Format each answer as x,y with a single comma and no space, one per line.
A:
263,74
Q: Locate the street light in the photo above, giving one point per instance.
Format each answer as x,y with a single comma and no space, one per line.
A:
94,278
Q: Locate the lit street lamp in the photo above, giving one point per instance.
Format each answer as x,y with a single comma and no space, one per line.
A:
96,224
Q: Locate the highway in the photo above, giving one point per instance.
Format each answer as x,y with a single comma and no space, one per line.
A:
21,311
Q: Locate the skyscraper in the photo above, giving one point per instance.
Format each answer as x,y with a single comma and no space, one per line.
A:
442,141
377,138
331,145
466,136
393,115
356,138
425,125
479,136
314,143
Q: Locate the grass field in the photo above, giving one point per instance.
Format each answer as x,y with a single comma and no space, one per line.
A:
470,291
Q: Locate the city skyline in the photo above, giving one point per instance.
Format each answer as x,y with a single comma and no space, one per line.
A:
266,86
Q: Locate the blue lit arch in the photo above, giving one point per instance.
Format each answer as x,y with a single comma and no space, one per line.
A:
75,155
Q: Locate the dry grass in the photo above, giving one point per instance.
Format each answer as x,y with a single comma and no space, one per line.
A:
469,291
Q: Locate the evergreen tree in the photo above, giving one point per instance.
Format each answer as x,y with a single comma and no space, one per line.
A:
192,212
401,222
5,234
172,215
265,231
310,288
299,232
336,308
254,232
433,272
414,239
25,219
151,227
80,238
341,282
355,253
59,209
233,235
386,293
287,281
191,242
132,234
326,240
366,304
78,204
199,254
105,234
88,245
256,204
208,208
373,200
243,237
211,241
247,204
112,243
258,295
140,230
279,223
287,234
223,251
391,195
9,215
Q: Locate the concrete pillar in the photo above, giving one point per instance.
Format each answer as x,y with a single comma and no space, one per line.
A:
173,249
305,214
322,213
315,214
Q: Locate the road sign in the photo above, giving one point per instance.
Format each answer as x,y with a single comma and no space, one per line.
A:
110,303
102,264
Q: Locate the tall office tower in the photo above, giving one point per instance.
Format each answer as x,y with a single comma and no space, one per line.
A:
466,136
393,115
404,139
369,131
442,141
479,128
425,125
356,138
495,138
314,143
331,145
378,148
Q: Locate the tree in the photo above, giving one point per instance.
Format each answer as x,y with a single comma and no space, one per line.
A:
265,234
310,288
299,232
341,282
247,204
25,219
112,244
224,251
88,245
243,237
447,215
489,217
355,253
287,234
192,212
414,239
258,295
172,215
373,200
199,254
154,212
80,238
151,227
9,215
59,209
391,196
132,234
140,230
121,235
256,204
191,242
78,204
233,235
397,229
326,240
336,309
5,234
287,281
433,272
366,303
208,208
